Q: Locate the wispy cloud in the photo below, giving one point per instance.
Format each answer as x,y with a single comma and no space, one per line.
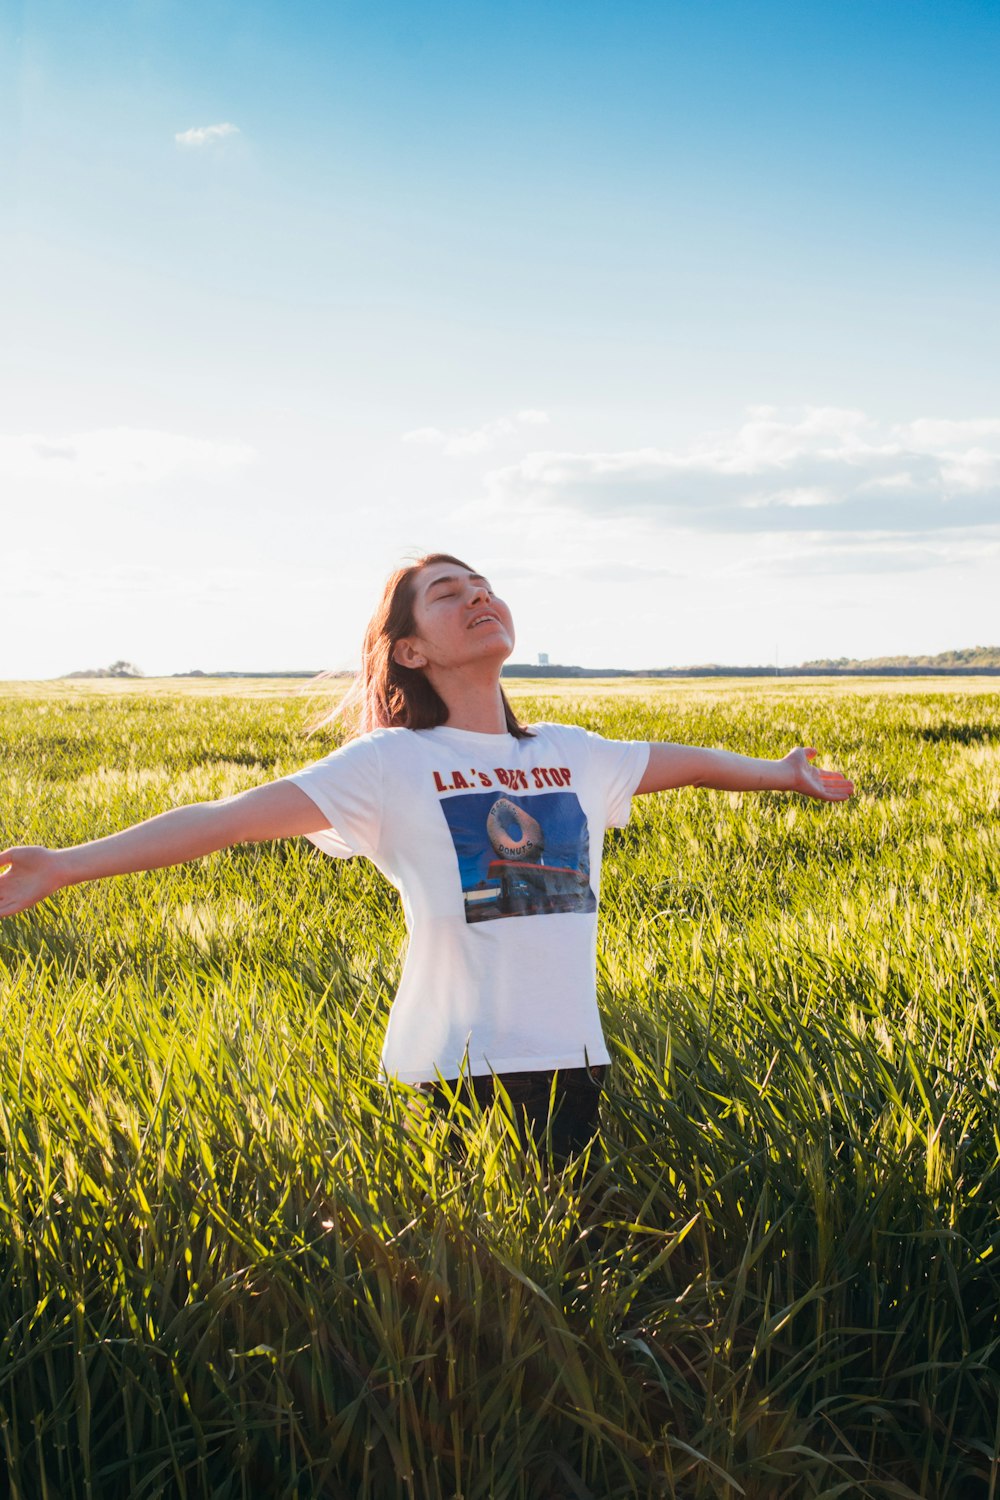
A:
32,577
205,135
863,555
112,456
462,441
820,470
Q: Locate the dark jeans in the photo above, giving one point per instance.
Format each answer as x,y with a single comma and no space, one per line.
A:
574,1104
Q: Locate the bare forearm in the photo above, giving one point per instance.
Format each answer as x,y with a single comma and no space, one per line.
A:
171,838
277,810
691,765
723,771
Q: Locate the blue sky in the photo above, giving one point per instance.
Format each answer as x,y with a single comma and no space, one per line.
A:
679,320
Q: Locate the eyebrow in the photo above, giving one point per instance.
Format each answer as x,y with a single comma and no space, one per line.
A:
455,578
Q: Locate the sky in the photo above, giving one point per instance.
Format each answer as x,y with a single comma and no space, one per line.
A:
680,321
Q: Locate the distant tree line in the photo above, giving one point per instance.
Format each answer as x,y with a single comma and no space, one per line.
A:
971,659
116,669
971,656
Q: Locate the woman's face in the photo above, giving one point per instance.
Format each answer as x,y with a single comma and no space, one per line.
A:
458,618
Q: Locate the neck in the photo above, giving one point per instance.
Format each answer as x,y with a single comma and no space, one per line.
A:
472,698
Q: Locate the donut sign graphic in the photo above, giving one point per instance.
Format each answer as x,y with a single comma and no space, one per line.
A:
520,856
514,833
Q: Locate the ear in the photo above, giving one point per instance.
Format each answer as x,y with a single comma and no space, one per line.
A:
405,654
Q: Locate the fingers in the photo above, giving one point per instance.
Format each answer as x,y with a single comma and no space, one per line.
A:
836,789
833,786
829,786
12,903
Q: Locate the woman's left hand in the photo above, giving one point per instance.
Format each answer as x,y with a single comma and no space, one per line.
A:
812,781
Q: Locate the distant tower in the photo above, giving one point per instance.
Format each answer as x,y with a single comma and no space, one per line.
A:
543,658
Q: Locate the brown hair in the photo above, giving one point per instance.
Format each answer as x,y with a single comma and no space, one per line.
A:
386,695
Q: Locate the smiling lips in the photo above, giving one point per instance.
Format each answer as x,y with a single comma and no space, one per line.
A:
483,620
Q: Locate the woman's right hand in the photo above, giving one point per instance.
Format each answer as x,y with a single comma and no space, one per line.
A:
32,874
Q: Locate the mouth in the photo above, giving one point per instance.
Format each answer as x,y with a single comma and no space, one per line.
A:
484,620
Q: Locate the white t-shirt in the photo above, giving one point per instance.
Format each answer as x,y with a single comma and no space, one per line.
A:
494,844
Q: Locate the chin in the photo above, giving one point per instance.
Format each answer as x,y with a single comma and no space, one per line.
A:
499,639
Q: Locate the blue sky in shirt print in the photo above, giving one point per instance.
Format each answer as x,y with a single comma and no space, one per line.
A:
559,814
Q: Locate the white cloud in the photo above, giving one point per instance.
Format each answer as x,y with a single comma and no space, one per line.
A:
820,470
462,441
795,557
112,456
928,431
67,585
205,135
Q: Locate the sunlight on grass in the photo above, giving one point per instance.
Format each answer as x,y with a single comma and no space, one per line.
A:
235,1265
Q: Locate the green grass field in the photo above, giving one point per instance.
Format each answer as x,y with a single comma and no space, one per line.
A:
232,1266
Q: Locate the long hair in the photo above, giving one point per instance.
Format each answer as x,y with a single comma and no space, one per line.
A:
386,695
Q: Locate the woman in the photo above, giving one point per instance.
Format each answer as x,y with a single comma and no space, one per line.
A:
491,831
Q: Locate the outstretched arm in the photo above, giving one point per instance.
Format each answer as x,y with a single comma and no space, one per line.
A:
278,810
688,765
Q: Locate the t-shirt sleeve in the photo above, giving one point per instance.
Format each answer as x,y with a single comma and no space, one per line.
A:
347,788
619,766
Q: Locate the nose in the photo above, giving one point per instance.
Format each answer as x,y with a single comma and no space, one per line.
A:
478,593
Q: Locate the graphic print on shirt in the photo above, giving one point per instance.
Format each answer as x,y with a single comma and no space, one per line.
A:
520,856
